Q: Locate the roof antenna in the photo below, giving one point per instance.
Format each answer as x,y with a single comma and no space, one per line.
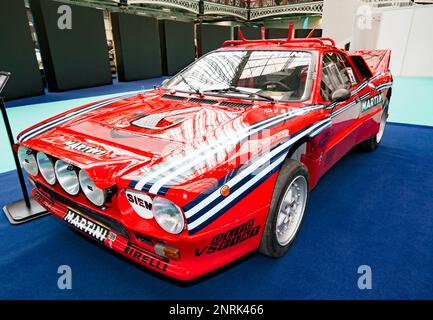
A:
311,33
290,36
262,30
240,34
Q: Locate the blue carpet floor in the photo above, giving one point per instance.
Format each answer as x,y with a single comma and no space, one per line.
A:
371,209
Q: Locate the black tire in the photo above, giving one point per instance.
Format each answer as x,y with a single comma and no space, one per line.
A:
372,143
269,245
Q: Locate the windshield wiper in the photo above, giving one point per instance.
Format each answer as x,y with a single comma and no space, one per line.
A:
237,90
190,85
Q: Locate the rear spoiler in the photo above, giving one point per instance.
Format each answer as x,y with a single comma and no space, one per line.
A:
376,60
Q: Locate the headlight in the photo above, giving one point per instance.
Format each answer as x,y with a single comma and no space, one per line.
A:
27,160
46,168
67,177
168,215
92,192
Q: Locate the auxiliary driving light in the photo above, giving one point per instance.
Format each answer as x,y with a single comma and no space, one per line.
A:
67,177
46,168
93,193
28,160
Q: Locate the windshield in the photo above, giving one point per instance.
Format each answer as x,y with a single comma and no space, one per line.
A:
280,75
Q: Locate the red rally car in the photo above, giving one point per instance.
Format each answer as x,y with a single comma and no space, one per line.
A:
216,162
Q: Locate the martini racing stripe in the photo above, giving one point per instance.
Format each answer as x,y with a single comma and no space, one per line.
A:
212,206
242,175
320,130
265,159
384,86
215,152
67,117
360,88
238,195
334,104
365,96
353,103
199,156
336,113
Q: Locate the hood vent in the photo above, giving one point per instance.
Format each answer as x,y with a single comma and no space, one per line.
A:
235,104
202,101
170,97
157,121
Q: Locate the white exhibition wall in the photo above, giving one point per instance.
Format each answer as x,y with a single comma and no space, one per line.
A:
418,59
405,31
337,20
393,33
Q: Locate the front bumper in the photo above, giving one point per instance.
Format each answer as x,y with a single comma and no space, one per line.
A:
198,254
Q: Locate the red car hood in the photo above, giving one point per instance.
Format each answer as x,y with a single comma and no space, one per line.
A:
138,132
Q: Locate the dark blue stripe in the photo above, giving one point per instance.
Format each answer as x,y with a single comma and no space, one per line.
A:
228,177
66,118
239,198
234,188
211,189
239,142
163,191
240,183
254,126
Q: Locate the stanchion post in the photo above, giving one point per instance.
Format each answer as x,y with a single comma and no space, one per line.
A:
18,211
17,163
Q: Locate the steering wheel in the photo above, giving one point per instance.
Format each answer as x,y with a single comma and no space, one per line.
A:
278,83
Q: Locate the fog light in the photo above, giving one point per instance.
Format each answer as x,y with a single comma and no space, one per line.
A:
28,160
166,251
67,177
46,168
92,192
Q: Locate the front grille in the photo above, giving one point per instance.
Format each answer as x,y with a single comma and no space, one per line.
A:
202,101
170,97
235,104
111,223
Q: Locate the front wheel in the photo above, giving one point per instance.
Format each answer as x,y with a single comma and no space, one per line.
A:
288,206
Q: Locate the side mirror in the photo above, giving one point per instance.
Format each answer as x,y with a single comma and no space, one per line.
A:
340,95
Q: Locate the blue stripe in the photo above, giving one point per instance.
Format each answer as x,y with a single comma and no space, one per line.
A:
256,125
233,189
320,130
73,115
336,113
239,184
212,188
239,198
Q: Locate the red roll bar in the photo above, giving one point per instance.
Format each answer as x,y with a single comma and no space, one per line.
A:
290,39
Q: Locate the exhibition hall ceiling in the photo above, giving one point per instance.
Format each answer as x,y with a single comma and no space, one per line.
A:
211,10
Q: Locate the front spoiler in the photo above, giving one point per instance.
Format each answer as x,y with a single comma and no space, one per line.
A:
189,267
121,244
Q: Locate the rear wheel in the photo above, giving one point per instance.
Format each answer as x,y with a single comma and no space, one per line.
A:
288,206
372,143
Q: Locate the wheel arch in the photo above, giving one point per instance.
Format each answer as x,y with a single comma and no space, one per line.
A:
297,145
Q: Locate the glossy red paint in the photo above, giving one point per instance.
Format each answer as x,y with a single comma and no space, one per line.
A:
130,152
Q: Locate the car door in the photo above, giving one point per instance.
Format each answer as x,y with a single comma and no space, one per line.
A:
337,73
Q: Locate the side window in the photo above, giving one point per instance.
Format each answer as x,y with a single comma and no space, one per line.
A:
349,71
334,75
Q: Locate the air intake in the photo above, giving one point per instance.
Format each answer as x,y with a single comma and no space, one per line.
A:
157,121
235,104
202,101
176,98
